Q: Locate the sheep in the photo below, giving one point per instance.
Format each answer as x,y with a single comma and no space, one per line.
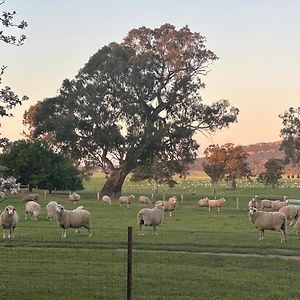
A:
203,203
276,205
215,203
51,210
264,220
73,197
106,199
169,205
127,200
291,212
150,217
144,201
266,205
34,209
253,202
8,220
31,197
273,205
75,218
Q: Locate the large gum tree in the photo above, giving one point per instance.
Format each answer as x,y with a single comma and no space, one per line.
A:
134,101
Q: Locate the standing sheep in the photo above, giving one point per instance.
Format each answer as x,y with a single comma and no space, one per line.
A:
216,203
276,205
73,197
268,221
51,210
8,220
127,200
150,217
291,212
106,199
31,197
253,202
34,209
75,218
203,202
169,205
144,201
266,205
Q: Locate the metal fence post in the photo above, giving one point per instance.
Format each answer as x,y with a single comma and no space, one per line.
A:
129,264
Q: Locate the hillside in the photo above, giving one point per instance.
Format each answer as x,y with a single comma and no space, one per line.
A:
258,155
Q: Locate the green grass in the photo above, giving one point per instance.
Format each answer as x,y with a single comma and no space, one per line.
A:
197,255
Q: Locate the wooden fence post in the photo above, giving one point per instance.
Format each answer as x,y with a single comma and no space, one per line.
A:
237,203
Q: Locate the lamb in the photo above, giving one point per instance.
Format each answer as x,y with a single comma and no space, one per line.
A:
264,220
73,197
203,203
51,210
127,200
75,218
31,197
169,205
215,203
106,199
150,217
8,220
253,202
291,212
144,201
34,209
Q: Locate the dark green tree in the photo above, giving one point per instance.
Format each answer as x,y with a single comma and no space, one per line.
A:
133,101
274,169
35,164
290,134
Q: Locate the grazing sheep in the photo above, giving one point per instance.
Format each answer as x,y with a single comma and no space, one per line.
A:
216,203
151,217
144,201
34,209
276,205
169,205
8,220
291,212
75,218
253,202
51,210
127,200
266,205
31,197
264,220
203,203
73,197
106,200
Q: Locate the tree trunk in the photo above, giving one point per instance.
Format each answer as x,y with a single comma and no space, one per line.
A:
233,182
113,185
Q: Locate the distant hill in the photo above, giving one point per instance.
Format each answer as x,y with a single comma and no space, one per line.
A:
258,156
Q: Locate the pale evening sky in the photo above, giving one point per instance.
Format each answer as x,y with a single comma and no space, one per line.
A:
258,43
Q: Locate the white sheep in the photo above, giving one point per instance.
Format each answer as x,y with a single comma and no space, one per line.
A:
127,200
34,209
75,218
31,197
73,197
253,202
266,204
203,203
276,205
8,220
144,201
264,220
291,212
217,203
150,217
169,205
51,210
106,199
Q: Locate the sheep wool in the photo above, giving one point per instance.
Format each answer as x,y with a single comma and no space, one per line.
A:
150,217
106,199
75,218
291,212
8,220
33,209
144,201
51,210
276,205
73,197
203,203
126,200
264,220
168,205
218,203
266,205
31,197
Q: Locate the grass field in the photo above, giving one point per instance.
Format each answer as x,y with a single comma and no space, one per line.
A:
197,255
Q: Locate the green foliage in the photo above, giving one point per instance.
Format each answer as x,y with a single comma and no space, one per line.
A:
33,163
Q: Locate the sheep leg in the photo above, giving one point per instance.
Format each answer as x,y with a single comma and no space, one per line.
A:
155,230
218,209
4,235
261,235
209,208
170,213
11,232
64,233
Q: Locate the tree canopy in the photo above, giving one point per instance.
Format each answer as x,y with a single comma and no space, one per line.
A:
134,101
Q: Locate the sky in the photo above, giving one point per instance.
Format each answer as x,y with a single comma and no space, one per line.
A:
257,42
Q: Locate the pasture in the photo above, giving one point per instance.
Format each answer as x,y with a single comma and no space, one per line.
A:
197,255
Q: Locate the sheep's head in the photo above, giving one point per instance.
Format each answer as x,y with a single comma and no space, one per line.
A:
59,209
10,210
160,205
251,211
173,199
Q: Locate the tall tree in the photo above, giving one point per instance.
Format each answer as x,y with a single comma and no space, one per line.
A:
214,164
290,134
133,101
8,99
274,169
